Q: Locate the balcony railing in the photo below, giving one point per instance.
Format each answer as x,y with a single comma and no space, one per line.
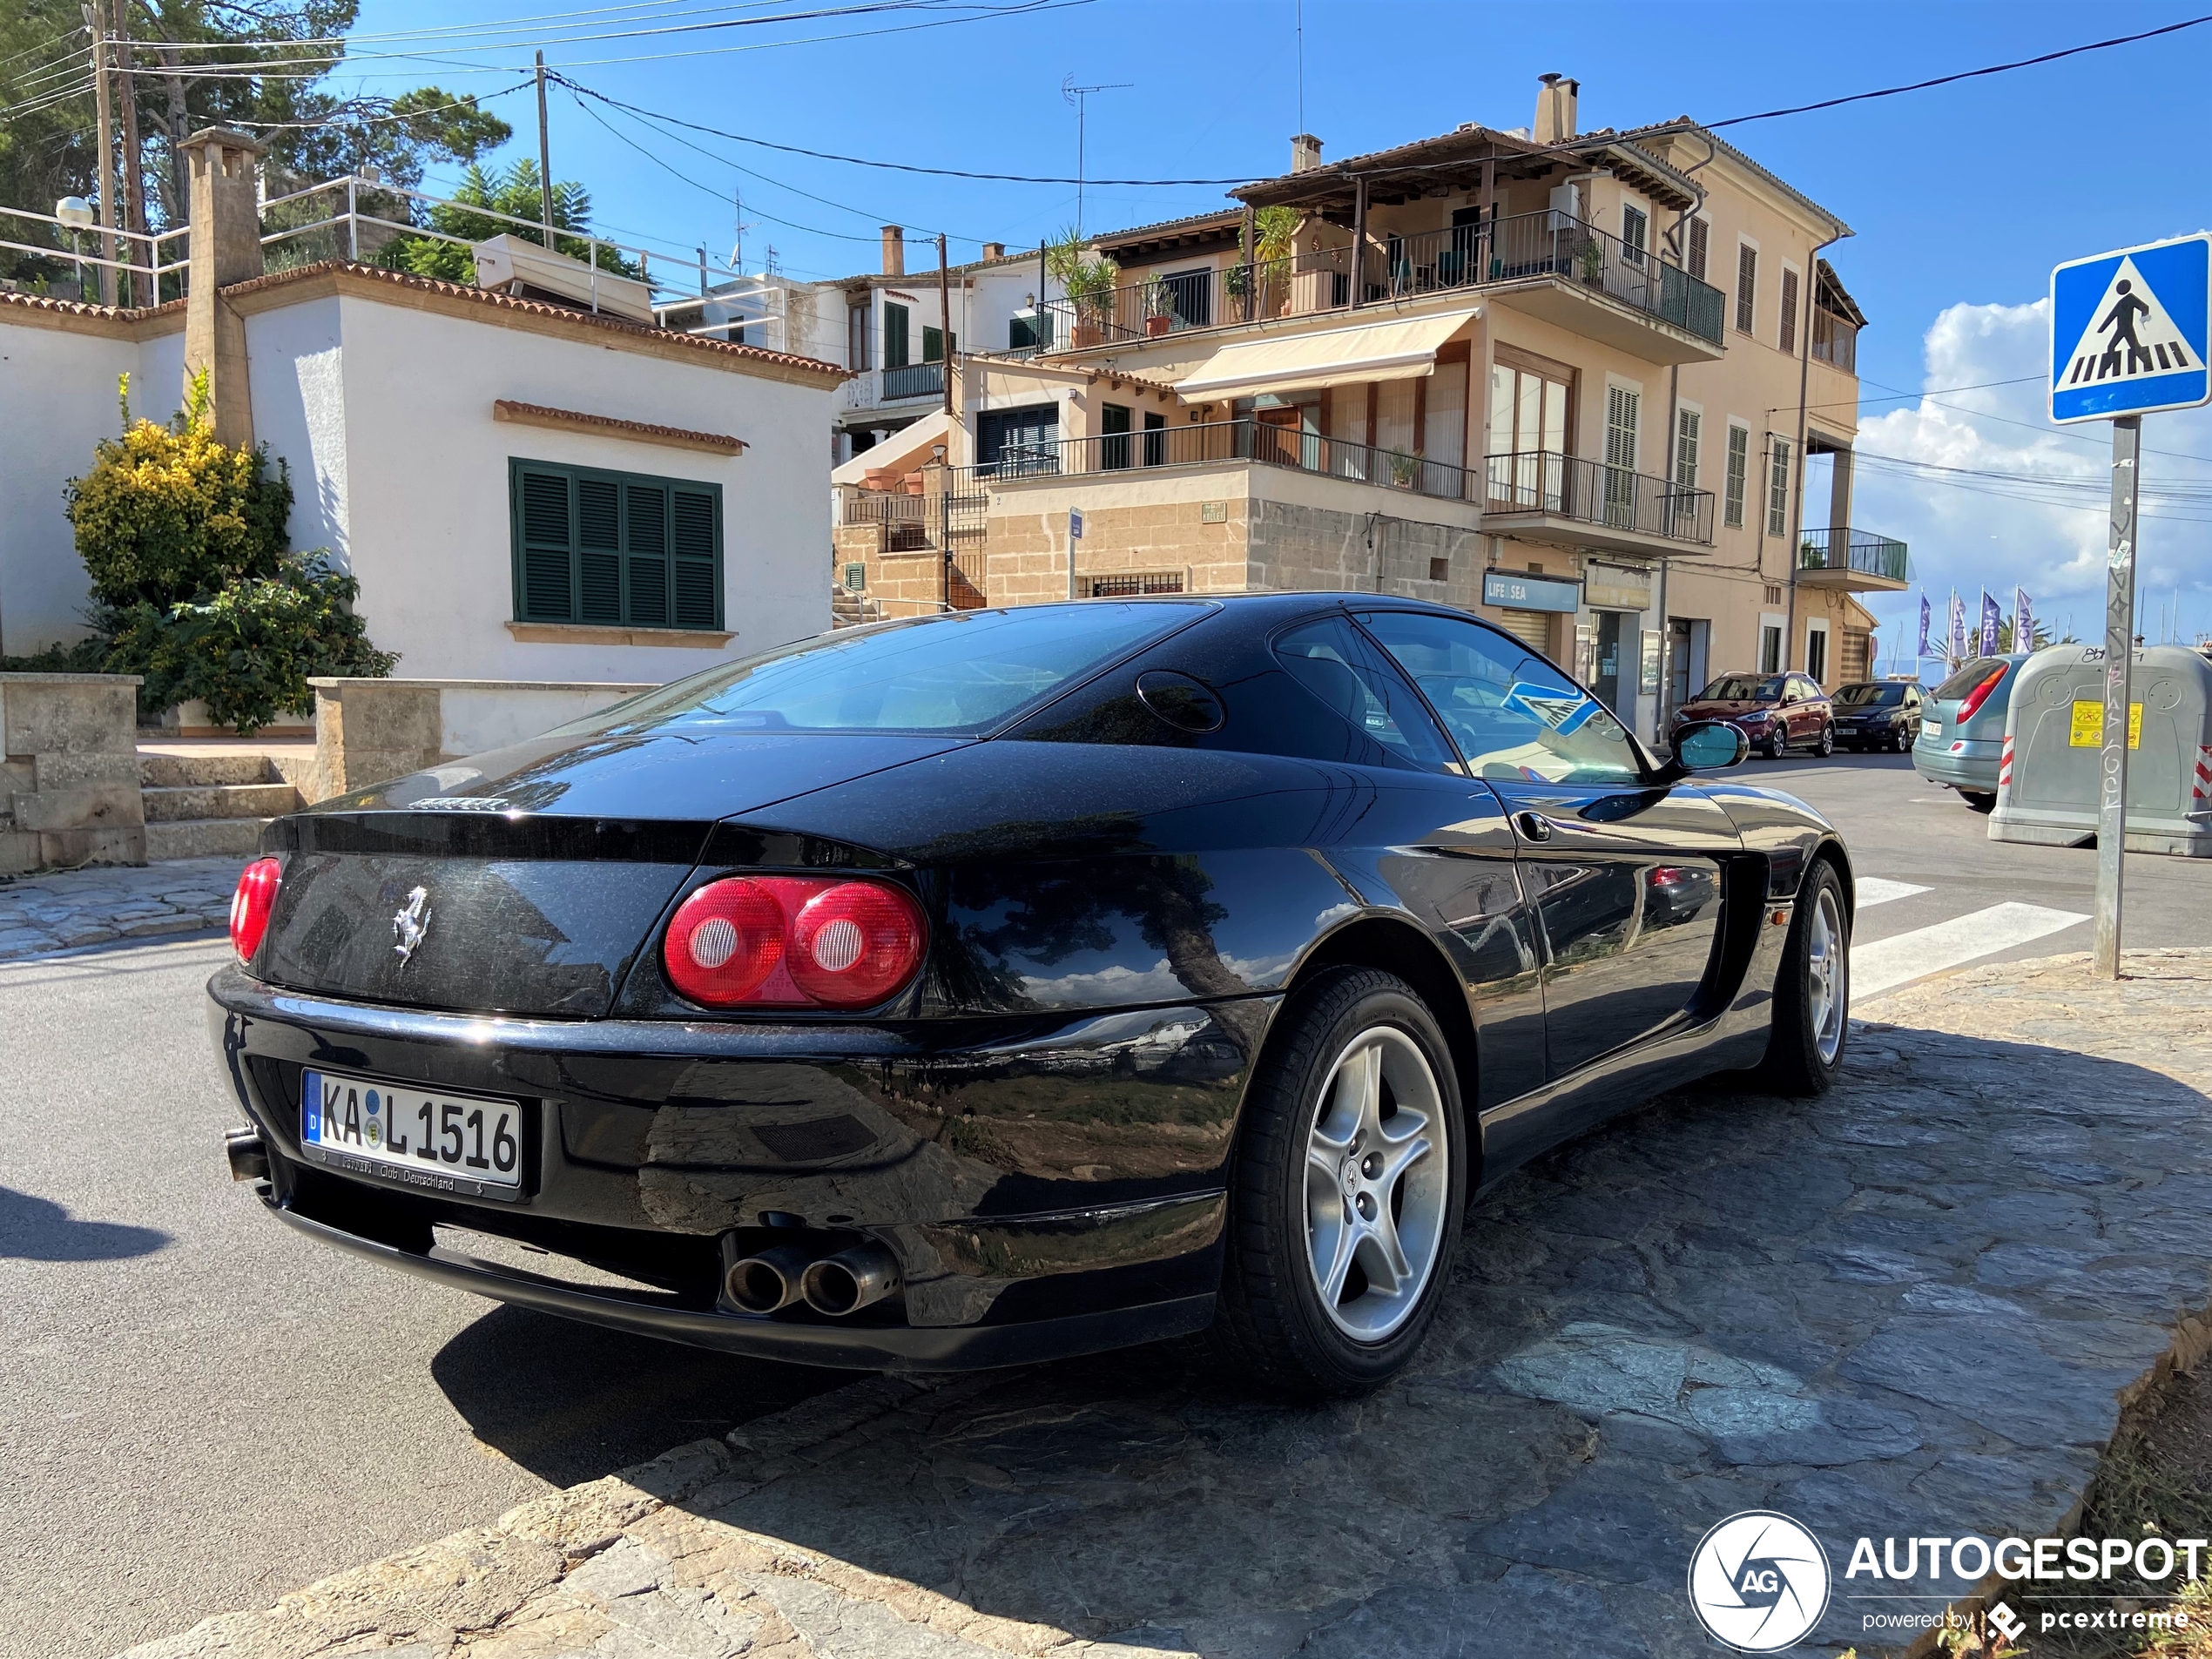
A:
1323,279
1835,341
914,379
1859,550
1590,492
1224,441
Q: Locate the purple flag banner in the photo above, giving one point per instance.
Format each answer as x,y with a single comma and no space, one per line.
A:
1991,617
1926,610
2023,622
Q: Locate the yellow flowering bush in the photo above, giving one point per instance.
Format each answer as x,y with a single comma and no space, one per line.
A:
167,513
192,586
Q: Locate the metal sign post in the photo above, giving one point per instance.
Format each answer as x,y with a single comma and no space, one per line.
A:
2130,333
2119,661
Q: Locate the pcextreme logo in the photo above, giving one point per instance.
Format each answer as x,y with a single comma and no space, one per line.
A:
1758,1581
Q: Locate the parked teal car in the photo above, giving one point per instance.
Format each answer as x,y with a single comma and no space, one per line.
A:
1962,729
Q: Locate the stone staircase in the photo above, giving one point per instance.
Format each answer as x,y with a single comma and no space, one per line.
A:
850,610
208,805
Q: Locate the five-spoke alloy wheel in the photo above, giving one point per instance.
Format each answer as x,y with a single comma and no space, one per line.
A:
1350,1180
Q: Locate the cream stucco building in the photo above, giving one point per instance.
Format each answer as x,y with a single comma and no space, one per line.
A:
1598,387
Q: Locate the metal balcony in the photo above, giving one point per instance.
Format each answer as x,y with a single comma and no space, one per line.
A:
1856,561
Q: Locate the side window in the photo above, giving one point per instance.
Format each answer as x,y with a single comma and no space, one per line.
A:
1338,664
1515,717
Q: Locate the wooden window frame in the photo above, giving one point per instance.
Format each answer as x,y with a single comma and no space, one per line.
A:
1781,456
1736,475
1747,286
675,619
1786,328
1697,247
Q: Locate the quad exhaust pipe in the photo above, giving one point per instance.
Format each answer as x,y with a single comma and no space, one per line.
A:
834,1286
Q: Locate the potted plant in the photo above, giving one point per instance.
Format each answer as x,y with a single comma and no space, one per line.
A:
1275,236
1088,281
1592,255
1404,469
1159,307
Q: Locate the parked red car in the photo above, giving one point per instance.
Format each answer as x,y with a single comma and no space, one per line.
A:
1777,712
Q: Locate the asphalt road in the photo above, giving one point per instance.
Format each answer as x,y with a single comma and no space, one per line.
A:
199,1410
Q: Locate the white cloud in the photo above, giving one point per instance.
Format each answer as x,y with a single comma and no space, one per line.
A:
1974,533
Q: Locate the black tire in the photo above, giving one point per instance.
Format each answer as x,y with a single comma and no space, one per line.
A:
1805,1046
1777,742
1272,1325
1827,744
1979,800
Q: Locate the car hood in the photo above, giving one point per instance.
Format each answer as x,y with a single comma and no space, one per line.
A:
527,880
1724,708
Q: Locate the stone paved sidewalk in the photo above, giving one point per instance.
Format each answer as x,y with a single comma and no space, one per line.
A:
1913,1307
41,913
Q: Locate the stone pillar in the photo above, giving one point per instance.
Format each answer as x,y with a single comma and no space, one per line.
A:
69,771
369,732
224,247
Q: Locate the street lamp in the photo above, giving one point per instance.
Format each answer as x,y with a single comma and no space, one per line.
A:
76,212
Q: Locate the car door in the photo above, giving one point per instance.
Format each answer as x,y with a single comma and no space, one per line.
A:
1436,842
1625,875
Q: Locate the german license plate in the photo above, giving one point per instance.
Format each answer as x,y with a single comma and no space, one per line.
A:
446,1142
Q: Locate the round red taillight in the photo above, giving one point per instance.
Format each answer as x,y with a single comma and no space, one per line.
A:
252,904
855,943
725,941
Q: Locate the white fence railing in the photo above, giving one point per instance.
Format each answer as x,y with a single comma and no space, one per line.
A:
358,221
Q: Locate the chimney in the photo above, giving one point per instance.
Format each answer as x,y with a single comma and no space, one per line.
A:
1305,153
895,250
994,250
224,246
1555,109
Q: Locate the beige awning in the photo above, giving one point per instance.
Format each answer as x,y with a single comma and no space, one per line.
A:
1400,349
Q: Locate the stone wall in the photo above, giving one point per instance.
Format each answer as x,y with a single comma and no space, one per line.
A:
69,771
368,731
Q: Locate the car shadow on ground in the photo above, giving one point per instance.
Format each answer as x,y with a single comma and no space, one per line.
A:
38,1230
1904,1309
571,1402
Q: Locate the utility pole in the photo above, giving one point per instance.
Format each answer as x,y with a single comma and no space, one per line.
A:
944,325
134,182
544,158
105,115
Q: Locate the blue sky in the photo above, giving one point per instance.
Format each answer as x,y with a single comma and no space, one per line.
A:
1961,198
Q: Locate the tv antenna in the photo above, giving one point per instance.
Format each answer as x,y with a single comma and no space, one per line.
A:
1079,97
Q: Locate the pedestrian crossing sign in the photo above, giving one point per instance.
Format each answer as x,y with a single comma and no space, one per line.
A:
2128,331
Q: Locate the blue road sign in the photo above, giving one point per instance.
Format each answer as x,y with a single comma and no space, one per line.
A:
2128,331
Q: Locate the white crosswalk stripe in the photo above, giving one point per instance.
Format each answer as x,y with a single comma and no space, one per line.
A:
1883,964
1874,889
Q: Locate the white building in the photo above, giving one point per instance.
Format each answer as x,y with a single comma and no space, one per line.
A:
524,490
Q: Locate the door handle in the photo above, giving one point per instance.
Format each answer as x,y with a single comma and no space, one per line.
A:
1533,827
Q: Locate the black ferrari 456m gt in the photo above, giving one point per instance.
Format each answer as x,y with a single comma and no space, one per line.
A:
984,987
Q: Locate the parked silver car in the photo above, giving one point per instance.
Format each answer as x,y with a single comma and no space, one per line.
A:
1962,729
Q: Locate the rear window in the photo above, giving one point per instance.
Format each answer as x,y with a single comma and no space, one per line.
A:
1969,677
960,674
1868,697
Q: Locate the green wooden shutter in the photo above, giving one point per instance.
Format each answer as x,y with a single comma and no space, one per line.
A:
895,337
698,547
599,556
645,510
545,545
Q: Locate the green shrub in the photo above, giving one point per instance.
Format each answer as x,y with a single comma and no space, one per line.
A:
184,539
247,649
168,514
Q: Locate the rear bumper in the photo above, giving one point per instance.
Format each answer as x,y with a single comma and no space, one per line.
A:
1974,767
861,1347
1048,1186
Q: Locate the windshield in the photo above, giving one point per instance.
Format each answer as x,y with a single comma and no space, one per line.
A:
957,674
1745,688
1969,677
1869,696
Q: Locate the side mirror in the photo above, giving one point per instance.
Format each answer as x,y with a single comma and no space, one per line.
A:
1706,745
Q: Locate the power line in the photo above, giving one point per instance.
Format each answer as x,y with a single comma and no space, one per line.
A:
1963,75
2048,431
474,100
